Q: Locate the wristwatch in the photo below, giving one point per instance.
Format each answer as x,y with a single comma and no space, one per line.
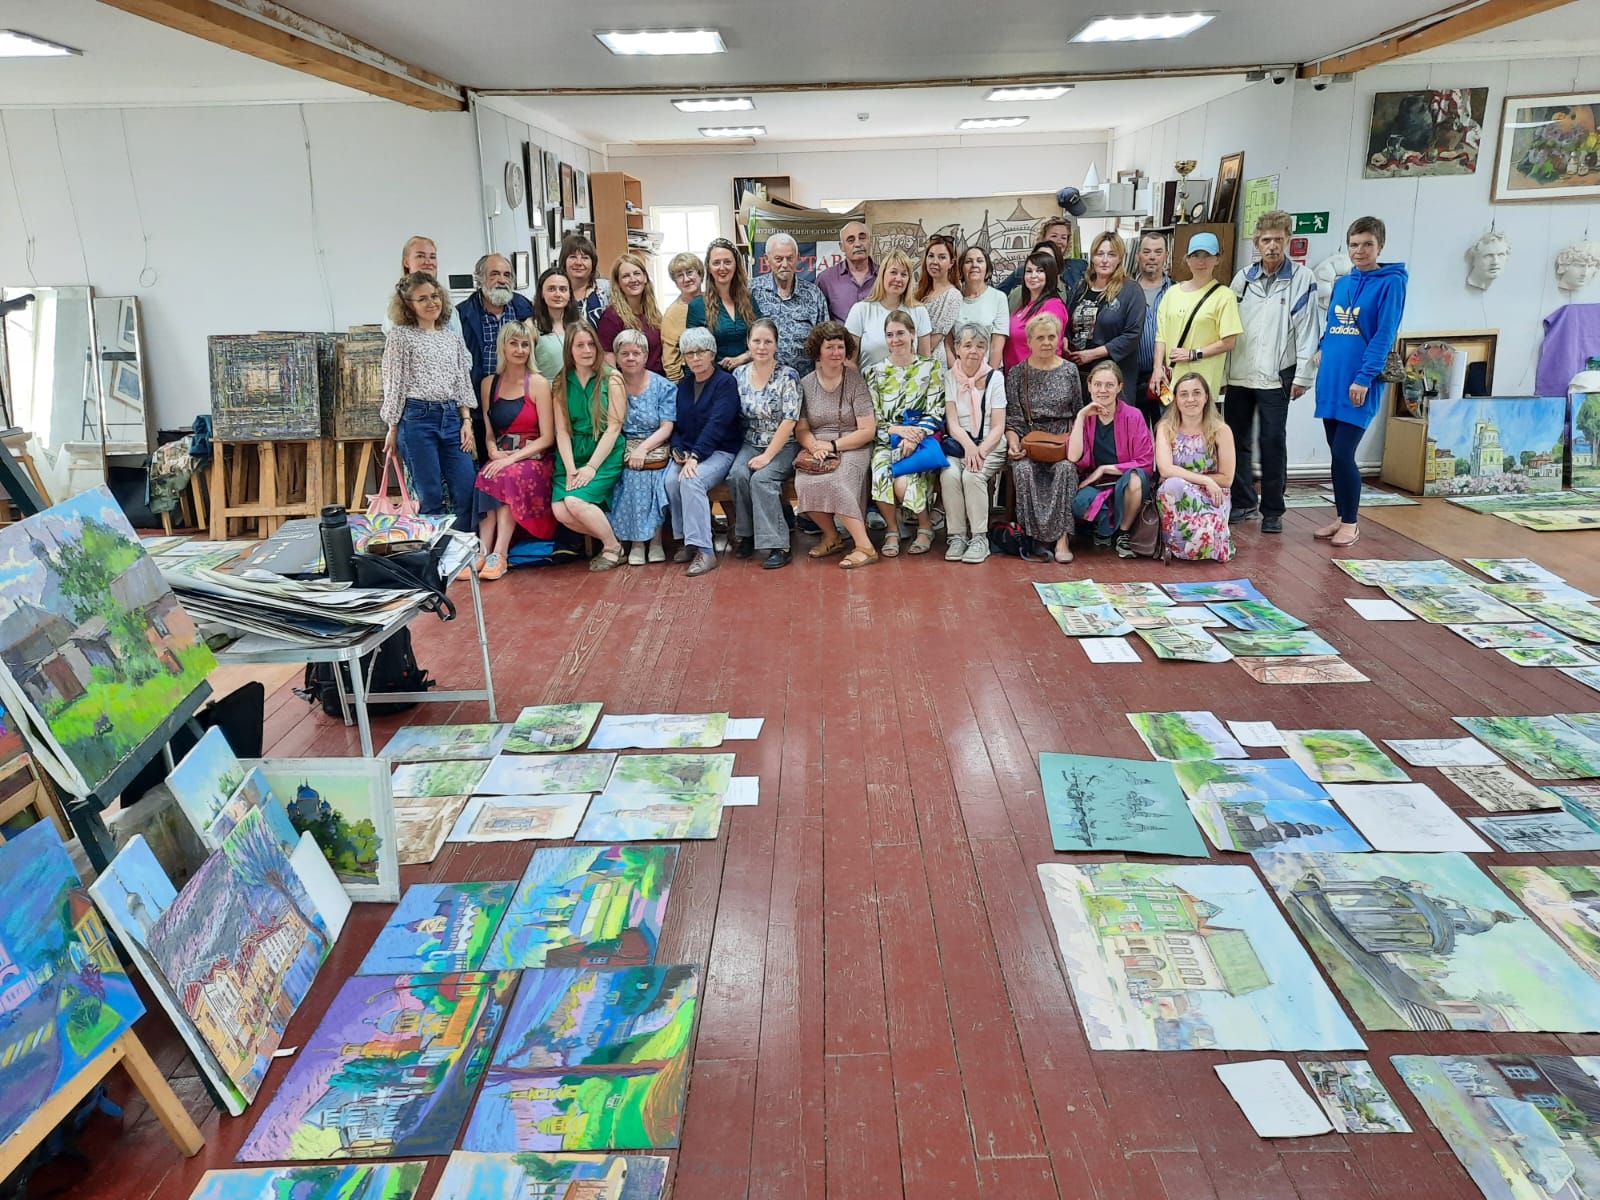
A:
1199,354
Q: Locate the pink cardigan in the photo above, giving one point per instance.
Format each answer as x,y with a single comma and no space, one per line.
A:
1135,448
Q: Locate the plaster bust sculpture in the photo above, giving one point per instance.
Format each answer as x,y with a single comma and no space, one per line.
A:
1487,258
1326,273
1577,265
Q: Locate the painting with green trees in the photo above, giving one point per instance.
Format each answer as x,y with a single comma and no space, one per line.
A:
1182,736
1566,901
345,804
1503,445
1585,437
470,1175
92,641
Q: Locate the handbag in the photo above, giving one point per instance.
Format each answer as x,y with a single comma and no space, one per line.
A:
806,464
1038,445
1394,368
381,504
411,570
928,456
1144,538
654,460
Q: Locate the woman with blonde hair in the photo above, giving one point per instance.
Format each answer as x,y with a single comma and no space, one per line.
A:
1043,396
688,272
937,291
1105,315
589,408
890,291
1194,454
514,482
632,306
726,307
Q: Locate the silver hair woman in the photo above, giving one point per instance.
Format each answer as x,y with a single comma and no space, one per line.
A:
975,445
698,338
639,505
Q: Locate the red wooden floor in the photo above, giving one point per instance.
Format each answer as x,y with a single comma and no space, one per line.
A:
884,1012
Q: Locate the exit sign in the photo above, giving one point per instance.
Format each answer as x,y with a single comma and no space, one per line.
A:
1311,222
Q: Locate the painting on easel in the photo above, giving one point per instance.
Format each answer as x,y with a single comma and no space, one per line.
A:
64,996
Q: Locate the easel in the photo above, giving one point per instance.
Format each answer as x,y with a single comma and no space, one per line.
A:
278,481
34,794
355,460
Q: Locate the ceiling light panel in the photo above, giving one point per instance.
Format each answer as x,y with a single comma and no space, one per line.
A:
662,41
733,131
14,44
699,104
1143,28
1053,91
992,123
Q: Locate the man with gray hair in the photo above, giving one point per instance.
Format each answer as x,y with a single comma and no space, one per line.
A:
794,305
847,283
482,313
1487,258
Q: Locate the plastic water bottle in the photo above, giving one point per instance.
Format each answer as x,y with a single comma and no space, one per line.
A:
338,547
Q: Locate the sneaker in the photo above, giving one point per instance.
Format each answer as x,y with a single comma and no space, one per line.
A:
1271,524
636,555
493,567
956,548
977,549
747,548
1102,541
875,520
1240,515
656,553
1125,545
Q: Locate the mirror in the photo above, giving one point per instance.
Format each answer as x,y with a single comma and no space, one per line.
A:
53,384
122,377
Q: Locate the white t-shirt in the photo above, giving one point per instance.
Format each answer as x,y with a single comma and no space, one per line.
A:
988,309
866,322
994,398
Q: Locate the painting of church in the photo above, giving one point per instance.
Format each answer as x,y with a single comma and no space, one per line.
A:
1491,446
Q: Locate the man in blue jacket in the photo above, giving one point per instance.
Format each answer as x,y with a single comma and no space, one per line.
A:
482,313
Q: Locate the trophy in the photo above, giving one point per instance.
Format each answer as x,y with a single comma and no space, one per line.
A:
1184,166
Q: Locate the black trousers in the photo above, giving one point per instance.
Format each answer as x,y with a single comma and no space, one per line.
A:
1240,409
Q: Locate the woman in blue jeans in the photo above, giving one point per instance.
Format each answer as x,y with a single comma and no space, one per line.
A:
1363,319
427,390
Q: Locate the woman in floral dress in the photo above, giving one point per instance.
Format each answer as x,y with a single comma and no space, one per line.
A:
1194,453
908,402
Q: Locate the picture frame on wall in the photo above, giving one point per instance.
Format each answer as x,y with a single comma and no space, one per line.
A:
1225,199
1434,131
521,266
552,178
554,227
1549,148
533,175
568,193
580,196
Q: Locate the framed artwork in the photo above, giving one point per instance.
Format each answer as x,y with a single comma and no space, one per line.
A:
125,384
522,266
532,174
568,192
553,229
552,178
1430,132
128,324
580,196
1549,148
1225,200
1447,365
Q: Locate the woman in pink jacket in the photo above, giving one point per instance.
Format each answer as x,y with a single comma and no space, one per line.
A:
1111,444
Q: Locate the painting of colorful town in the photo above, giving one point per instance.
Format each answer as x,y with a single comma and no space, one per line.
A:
328,1181
1480,446
439,927
1525,1127
1187,957
532,1176
389,1072
91,634
591,1060
63,993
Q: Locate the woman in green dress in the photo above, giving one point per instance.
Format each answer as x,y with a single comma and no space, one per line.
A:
908,400
589,404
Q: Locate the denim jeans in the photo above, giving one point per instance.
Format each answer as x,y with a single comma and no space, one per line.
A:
691,511
758,495
430,442
1343,438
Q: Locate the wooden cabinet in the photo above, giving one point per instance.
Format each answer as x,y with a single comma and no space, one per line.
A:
618,207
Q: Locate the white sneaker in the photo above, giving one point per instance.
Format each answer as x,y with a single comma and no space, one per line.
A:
977,549
636,555
656,553
956,548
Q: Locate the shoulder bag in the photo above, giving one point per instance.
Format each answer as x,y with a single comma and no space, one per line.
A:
1036,443
808,464
654,459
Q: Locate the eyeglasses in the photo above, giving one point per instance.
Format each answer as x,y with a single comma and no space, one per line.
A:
943,239
693,353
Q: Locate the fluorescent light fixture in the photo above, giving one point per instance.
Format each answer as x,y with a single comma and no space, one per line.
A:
1053,91
991,122
662,41
24,45
696,104
733,131
1143,28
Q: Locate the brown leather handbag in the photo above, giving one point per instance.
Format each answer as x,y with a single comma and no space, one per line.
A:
1038,445
654,460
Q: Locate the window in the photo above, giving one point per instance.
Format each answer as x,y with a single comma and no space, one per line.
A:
1519,1073
682,227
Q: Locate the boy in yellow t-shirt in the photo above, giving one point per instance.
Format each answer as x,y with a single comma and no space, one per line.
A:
1212,331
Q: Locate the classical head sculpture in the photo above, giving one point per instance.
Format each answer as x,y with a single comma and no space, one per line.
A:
1577,265
1487,258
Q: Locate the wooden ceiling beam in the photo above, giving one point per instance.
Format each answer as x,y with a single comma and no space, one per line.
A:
265,30
1450,26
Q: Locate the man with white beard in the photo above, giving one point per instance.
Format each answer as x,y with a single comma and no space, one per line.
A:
482,313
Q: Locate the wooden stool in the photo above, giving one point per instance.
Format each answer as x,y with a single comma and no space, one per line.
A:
264,484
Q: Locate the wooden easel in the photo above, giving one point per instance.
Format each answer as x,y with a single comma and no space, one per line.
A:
264,484
130,1052
34,794
355,461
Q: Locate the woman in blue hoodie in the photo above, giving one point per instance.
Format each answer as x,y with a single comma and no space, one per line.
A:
1363,319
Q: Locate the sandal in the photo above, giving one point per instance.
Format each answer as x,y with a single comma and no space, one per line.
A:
891,545
1063,558
606,560
1341,543
924,542
1327,531
826,549
858,558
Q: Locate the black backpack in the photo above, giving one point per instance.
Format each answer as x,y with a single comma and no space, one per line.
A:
392,667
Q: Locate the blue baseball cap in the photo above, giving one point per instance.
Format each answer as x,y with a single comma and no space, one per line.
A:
1203,243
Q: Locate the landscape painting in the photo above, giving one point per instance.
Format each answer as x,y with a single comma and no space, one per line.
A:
1274,643
1354,1097
545,728
1089,620
520,818
470,1175
1242,780
63,994
1184,643
1379,572
1144,595
389,1072
633,817
328,1181
1537,832
1426,941
1525,1126
666,774
1340,756
1187,957
1566,901
1492,446
1443,604
1122,804
436,743
1544,747
1306,669
240,946
92,637
586,906
1261,615
206,780
591,1060
1206,590
659,731
1251,825
437,779
521,775
1073,593
1185,736
438,928
346,806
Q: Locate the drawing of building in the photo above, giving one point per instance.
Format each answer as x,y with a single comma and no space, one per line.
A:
1011,239
93,942
1252,829
452,924
1487,456
17,986
1164,940
367,1124
1536,832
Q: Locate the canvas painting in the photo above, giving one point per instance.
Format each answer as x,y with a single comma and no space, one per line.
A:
1493,636
1274,644
206,780
1436,131
1443,752
1100,620
1514,502
1251,825
528,1176
659,731
1405,816
64,996
1120,804
1426,941
1538,832
586,906
1311,668
1255,615
1571,655
265,387
667,774
1354,1097
422,824
1499,788
1494,445
438,928
434,743
1549,148
434,779
1186,643
521,775
1152,616
1588,676
1405,572
1073,593
1552,520
1581,621
240,946
1205,591
543,728
592,1060
1587,724
1518,594
327,1181
1007,225
1514,570
1182,736
1340,756
1246,780
1523,1126
1144,595
346,805
1566,901
1186,957
254,794
1451,605
520,818
389,1071
1544,747
640,817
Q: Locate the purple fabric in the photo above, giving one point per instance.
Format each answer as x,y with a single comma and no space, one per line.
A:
1571,336
1134,445
841,288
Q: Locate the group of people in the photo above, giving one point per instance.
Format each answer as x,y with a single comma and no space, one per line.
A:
884,390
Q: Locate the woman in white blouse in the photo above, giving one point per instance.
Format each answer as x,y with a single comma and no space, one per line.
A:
427,390
891,291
